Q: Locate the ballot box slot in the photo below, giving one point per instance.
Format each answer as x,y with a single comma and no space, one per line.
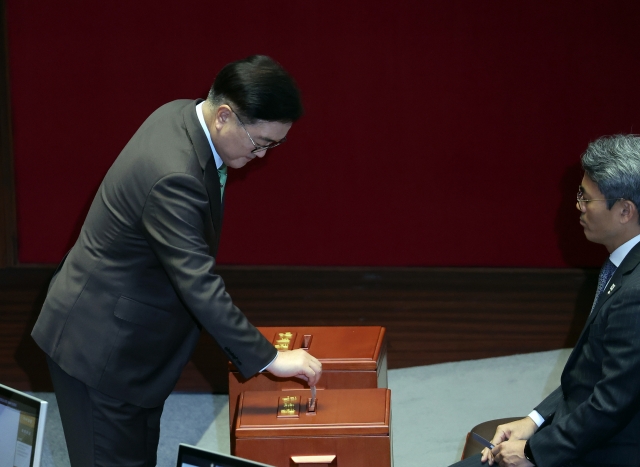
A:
312,404
306,341
289,406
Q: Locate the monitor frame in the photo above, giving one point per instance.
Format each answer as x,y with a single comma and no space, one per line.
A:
214,458
37,407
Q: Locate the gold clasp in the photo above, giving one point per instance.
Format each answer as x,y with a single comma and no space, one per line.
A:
284,340
288,407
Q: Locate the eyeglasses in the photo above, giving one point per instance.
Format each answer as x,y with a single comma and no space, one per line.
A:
258,148
583,202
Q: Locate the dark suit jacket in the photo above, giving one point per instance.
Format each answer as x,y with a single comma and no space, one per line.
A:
124,311
594,416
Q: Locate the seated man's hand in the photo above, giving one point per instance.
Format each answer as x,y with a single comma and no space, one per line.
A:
296,363
521,429
511,454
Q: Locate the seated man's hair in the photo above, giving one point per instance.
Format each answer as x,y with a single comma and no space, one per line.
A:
613,163
257,88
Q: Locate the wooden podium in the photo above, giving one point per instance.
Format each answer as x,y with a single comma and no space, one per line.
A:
350,427
352,357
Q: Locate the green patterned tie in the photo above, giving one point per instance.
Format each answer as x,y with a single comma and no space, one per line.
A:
222,174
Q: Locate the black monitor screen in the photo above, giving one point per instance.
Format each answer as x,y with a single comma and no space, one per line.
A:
191,456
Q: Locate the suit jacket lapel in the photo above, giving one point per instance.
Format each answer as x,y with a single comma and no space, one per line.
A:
207,163
612,287
616,283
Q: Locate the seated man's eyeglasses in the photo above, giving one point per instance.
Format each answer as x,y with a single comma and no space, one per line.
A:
258,148
583,202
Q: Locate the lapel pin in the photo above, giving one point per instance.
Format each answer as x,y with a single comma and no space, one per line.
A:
611,288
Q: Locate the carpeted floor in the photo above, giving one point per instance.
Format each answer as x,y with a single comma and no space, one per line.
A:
433,408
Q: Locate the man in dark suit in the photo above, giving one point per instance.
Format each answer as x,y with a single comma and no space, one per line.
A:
593,418
124,310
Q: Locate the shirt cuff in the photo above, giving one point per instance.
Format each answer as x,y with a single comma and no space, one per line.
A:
536,417
274,359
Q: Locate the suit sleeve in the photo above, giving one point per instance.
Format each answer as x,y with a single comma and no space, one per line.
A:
173,224
613,347
547,407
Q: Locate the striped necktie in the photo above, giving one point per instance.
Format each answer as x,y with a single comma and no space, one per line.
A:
608,268
222,175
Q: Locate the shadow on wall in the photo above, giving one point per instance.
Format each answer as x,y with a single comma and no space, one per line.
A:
29,357
577,251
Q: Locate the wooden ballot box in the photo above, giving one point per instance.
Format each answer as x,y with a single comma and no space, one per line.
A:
352,357
349,428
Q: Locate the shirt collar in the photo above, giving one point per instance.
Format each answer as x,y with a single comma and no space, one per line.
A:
216,156
619,253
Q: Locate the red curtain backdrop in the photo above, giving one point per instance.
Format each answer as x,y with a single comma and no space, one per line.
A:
437,133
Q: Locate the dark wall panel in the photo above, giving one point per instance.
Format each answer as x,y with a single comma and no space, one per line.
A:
432,315
8,230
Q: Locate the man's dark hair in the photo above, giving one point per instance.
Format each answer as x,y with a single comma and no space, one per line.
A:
257,88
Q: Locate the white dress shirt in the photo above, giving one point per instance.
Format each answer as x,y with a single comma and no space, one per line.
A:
200,115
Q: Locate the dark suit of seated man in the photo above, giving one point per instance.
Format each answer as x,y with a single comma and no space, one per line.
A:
593,418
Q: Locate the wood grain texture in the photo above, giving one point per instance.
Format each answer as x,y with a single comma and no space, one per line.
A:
432,315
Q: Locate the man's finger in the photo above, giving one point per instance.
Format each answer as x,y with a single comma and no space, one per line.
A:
315,368
312,376
485,455
497,455
308,372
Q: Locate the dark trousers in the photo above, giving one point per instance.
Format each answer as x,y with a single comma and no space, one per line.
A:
103,431
474,461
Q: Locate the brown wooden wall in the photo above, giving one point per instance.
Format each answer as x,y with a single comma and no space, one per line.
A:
432,315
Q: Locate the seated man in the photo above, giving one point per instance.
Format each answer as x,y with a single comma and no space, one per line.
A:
593,418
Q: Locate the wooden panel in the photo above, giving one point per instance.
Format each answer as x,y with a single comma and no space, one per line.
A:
339,412
350,427
352,357
432,315
372,451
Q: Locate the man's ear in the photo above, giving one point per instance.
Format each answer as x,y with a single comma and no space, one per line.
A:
223,115
628,211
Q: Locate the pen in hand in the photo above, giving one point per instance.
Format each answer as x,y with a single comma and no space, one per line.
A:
481,440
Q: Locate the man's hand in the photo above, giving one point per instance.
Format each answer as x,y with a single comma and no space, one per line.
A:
296,363
511,454
521,429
